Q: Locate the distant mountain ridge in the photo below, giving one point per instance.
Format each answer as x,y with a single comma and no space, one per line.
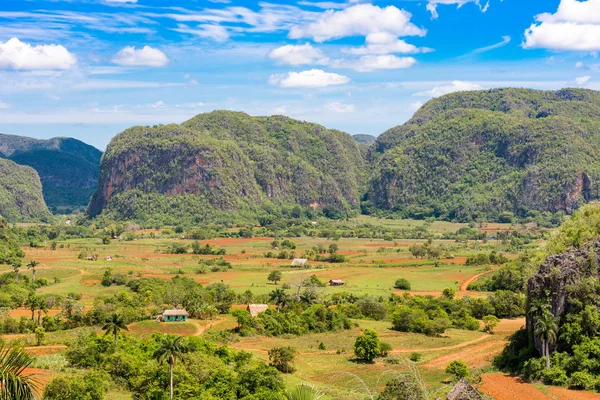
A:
68,168
477,155
228,161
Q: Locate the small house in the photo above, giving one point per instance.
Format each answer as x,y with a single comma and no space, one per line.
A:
299,262
255,309
175,315
336,282
463,390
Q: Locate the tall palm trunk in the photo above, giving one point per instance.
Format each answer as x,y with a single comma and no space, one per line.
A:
33,277
547,354
39,316
116,338
32,314
171,380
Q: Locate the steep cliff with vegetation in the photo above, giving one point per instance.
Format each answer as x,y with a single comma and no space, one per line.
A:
68,168
21,193
228,161
481,154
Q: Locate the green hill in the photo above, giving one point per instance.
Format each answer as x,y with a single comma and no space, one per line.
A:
21,193
365,139
68,168
478,154
224,161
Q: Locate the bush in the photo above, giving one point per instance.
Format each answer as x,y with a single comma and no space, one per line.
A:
554,376
415,357
402,284
581,380
367,346
458,369
283,358
322,346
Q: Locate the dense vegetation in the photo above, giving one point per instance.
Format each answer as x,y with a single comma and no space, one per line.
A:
224,161
560,344
68,168
21,193
490,155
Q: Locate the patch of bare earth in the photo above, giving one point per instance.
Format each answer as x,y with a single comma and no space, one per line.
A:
475,356
505,387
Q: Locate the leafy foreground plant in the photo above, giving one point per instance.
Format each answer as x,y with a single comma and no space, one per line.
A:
15,383
303,392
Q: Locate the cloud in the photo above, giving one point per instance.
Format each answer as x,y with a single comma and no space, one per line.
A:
4,106
432,5
358,20
121,1
328,5
385,43
415,106
505,40
144,57
582,80
17,55
298,55
575,26
216,32
373,63
454,86
579,64
315,78
338,107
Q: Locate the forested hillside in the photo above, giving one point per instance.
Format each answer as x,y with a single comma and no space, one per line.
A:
21,193
490,153
68,168
224,161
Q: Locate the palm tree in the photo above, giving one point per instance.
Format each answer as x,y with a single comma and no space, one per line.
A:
546,329
303,392
32,264
171,349
14,383
279,297
32,302
16,264
114,325
538,307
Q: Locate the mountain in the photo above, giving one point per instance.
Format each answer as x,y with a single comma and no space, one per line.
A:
365,139
21,193
479,154
226,161
68,168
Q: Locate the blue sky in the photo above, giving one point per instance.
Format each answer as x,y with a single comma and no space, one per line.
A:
91,68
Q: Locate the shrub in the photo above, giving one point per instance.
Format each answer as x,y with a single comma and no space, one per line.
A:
367,346
402,284
458,369
283,358
554,376
322,346
416,357
581,380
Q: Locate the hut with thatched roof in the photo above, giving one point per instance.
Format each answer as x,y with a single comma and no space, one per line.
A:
463,390
255,309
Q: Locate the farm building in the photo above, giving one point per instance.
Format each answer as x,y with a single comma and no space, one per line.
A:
336,282
175,315
299,262
463,390
255,309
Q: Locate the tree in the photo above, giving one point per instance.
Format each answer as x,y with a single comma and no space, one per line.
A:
32,264
303,392
449,293
283,358
171,349
275,276
16,265
279,297
14,383
32,303
333,248
367,346
40,334
115,325
458,369
490,322
402,284
546,328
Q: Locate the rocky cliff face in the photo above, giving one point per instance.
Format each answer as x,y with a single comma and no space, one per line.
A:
234,161
558,277
21,193
477,154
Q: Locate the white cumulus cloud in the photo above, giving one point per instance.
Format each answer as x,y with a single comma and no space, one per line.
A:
298,55
144,57
15,54
574,26
373,63
338,107
358,20
454,86
314,78
4,106
385,43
